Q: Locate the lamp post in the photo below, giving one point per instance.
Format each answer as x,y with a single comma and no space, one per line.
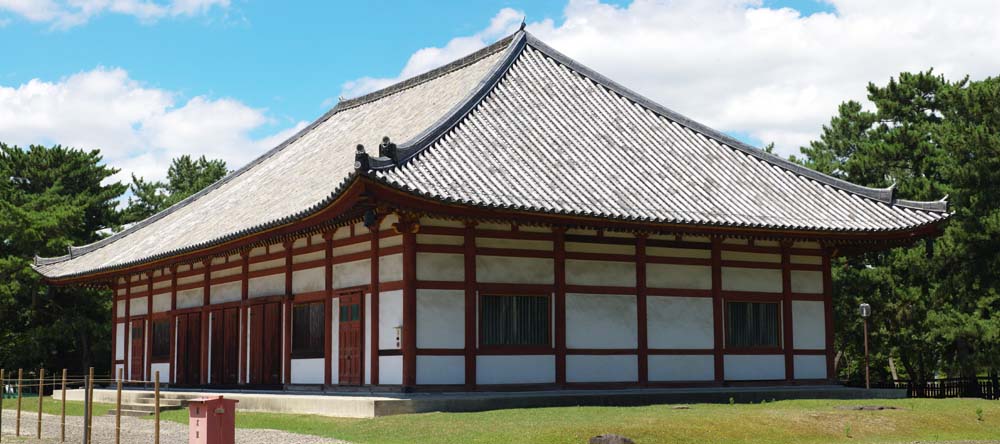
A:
866,310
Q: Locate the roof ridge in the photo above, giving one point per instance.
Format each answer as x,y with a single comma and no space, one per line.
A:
76,251
884,195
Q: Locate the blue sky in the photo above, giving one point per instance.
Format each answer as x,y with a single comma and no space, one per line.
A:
281,64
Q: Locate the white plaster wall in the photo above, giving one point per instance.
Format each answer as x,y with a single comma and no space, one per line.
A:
161,302
440,319
496,226
435,222
367,378
681,367
518,244
679,322
138,306
266,286
440,239
119,368
697,277
189,279
615,274
390,268
190,298
807,245
163,368
811,260
356,247
810,366
596,368
120,341
309,257
308,371
807,281
276,263
601,321
514,270
754,367
391,241
390,370
312,279
229,271
440,267
808,325
695,253
228,292
352,274
588,247
121,309
751,279
527,369
390,316
139,289
751,257
440,369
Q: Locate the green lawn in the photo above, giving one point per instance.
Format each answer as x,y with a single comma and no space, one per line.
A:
778,422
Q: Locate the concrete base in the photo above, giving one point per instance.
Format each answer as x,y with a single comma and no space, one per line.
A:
367,406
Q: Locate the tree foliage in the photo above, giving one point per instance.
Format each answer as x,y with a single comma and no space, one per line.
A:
933,302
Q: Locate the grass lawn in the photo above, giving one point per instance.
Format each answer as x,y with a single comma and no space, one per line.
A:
805,421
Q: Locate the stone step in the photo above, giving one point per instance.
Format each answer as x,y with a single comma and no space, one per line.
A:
163,402
136,409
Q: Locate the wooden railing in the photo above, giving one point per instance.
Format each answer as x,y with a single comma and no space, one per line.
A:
983,387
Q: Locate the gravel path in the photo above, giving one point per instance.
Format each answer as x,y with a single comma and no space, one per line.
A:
138,431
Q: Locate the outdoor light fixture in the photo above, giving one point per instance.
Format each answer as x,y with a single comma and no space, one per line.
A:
865,310
399,334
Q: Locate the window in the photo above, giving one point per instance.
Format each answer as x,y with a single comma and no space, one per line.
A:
752,325
161,340
307,334
514,321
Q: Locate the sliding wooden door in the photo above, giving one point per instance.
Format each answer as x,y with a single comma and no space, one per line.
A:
225,347
265,344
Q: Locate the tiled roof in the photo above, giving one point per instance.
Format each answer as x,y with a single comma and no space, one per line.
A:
516,125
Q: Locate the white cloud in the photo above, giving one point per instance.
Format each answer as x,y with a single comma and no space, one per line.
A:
773,74
137,128
63,14
426,59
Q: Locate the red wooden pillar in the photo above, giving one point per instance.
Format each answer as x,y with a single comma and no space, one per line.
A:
206,301
409,227
127,333
640,308
288,313
173,324
718,306
114,326
373,349
559,254
828,314
244,312
788,341
147,332
328,308
470,304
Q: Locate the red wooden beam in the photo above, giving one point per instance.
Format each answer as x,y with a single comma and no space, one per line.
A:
469,250
147,332
127,334
786,308
244,313
114,325
559,248
173,324
718,308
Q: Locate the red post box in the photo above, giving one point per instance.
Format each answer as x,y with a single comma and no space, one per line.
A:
212,421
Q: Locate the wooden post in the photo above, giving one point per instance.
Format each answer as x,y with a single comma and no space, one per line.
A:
17,421
62,422
3,393
118,410
90,408
41,397
156,407
868,384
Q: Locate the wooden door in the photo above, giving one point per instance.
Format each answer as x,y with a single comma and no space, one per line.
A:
188,359
137,351
351,339
265,344
225,346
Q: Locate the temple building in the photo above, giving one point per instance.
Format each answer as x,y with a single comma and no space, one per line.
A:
510,220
